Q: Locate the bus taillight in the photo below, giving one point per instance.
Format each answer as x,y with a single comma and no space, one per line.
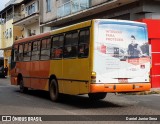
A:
93,77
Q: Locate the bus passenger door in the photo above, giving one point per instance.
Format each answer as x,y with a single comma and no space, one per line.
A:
25,69
34,72
44,71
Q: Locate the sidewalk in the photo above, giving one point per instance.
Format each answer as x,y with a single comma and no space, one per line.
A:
152,91
155,90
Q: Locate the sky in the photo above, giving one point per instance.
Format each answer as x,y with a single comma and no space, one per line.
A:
2,4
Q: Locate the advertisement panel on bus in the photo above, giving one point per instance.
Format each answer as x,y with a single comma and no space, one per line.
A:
121,52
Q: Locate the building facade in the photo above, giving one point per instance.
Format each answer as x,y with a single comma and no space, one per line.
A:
19,19
27,17
8,32
58,13
66,12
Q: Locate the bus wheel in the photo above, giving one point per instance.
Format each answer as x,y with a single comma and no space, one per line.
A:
53,90
97,96
22,88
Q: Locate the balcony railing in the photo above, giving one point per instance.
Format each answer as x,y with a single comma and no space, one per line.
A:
71,7
15,17
9,17
18,17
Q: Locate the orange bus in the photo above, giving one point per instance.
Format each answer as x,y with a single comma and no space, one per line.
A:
78,59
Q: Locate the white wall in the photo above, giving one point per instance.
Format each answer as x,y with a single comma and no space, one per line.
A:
32,27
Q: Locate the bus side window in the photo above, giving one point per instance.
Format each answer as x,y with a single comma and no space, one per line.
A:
57,47
35,50
84,38
67,45
71,45
45,49
74,45
20,52
27,51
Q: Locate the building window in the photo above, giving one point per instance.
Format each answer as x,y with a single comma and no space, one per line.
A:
10,32
7,34
31,9
33,32
48,5
29,32
4,34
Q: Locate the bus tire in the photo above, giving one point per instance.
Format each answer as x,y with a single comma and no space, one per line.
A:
53,90
21,86
97,96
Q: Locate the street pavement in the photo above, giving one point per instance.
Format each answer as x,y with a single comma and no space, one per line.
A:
36,102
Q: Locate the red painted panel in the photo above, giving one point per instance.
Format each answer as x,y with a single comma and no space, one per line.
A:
155,71
155,45
153,27
34,74
156,59
155,82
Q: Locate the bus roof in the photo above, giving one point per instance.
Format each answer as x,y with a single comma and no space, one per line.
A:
31,38
117,21
72,27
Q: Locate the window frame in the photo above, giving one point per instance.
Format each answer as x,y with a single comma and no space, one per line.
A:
61,47
46,48
20,54
88,44
30,9
71,45
48,5
15,52
38,50
29,51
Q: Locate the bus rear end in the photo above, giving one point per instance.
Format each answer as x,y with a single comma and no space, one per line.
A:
121,57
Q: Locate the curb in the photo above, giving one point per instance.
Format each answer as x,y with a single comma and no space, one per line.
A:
152,91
